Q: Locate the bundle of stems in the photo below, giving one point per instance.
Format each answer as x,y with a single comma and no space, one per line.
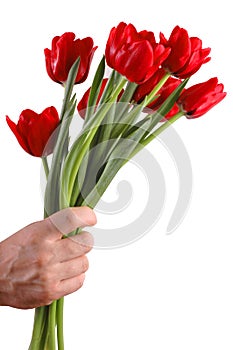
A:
114,131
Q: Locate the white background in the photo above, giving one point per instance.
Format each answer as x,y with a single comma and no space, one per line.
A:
162,292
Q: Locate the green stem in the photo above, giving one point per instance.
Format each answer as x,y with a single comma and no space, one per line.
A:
123,105
114,166
59,152
52,326
152,94
163,127
60,337
46,166
128,93
144,142
53,183
78,151
38,328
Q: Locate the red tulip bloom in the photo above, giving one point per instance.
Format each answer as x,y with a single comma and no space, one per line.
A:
187,54
200,98
136,55
65,51
82,105
144,89
34,130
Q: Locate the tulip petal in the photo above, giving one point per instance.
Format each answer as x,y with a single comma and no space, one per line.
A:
180,45
200,98
19,138
65,51
136,55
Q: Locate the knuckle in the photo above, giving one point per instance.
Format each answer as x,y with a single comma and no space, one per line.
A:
70,247
46,278
43,257
49,292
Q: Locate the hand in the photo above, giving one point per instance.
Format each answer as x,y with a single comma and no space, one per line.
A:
37,266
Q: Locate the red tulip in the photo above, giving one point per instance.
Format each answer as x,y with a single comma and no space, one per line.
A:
144,89
34,130
136,55
186,56
65,51
82,105
200,98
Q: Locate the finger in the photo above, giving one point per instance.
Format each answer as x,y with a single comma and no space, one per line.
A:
73,247
72,268
69,219
70,285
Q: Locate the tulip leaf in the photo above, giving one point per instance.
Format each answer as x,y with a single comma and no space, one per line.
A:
157,116
95,89
117,158
52,188
106,139
108,88
158,86
123,152
69,85
68,108
170,101
127,120
129,91
80,148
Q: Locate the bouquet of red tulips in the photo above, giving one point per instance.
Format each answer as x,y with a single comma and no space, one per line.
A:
144,94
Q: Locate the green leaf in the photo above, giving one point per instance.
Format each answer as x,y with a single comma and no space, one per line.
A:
81,146
170,101
161,112
125,101
127,121
158,86
95,88
108,88
69,85
117,158
52,188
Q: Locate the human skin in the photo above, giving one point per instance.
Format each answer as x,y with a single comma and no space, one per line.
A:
37,266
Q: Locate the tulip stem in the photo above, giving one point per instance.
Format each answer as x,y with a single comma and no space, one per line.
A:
163,127
60,335
79,149
124,103
46,166
157,87
38,336
52,325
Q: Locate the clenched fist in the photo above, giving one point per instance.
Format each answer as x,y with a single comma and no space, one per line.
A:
37,266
